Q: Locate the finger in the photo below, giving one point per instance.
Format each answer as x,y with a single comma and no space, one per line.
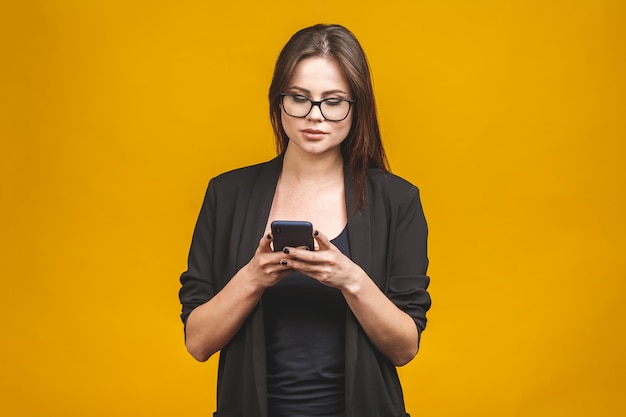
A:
295,264
272,263
322,240
280,268
301,253
283,268
265,243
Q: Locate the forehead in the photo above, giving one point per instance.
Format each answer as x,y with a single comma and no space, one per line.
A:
319,74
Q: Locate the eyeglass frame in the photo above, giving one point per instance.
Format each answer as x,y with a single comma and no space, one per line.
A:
318,104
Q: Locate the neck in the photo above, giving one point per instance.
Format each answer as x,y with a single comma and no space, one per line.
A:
303,166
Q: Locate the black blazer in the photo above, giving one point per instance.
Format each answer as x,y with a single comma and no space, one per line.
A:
387,239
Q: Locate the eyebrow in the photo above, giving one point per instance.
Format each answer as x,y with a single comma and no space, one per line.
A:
325,93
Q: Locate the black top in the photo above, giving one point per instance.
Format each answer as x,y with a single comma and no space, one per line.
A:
305,345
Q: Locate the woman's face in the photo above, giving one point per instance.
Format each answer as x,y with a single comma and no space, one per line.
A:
317,78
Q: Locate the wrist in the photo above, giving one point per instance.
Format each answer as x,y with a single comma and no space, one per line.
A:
354,284
248,281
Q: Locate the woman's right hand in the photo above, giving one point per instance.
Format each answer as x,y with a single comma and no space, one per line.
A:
266,268
213,324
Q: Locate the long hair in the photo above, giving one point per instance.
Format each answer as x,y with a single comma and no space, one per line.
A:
363,147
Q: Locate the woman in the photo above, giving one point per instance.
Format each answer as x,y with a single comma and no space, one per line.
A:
301,332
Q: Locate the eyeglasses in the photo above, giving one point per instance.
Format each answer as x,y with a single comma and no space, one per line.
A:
333,109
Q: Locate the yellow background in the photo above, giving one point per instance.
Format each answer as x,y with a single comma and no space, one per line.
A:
509,115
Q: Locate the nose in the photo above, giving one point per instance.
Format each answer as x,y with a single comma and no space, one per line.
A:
316,112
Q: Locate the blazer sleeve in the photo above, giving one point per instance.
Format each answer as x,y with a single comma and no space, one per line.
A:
408,260
198,282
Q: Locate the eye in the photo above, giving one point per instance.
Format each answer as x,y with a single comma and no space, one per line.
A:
333,102
297,98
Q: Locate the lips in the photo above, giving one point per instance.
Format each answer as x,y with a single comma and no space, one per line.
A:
313,134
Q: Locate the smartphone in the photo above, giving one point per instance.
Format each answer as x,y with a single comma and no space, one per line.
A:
292,233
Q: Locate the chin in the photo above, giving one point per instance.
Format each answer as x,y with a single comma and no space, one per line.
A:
315,147
319,149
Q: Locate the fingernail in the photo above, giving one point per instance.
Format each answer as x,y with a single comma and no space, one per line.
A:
285,250
283,262
269,236
316,233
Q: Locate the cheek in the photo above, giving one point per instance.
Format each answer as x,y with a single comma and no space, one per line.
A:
346,126
287,124
284,119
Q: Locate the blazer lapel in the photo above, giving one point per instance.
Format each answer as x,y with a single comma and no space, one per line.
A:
253,227
359,237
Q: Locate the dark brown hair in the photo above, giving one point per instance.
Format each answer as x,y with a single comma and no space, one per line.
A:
363,147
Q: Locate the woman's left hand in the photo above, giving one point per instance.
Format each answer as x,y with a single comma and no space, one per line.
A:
327,264
391,330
